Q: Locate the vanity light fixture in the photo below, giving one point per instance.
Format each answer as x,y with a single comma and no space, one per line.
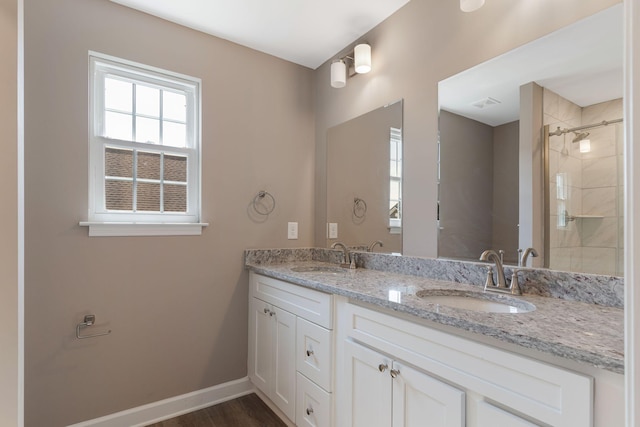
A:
362,55
471,5
338,74
359,62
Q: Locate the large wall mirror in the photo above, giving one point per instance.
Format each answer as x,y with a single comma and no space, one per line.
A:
498,149
364,181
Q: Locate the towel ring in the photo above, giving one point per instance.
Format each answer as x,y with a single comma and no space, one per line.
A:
259,204
359,207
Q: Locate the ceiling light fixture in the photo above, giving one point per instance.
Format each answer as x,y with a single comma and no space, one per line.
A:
471,5
585,146
359,62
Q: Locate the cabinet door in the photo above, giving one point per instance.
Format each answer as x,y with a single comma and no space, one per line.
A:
284,362
489,415
367,387
419,399
260,345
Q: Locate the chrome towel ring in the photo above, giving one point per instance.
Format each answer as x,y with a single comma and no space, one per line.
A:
359,208
264,203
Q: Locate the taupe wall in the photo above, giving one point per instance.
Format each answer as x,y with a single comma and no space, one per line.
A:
177,305
466,187
478,189
505,189
424,42
9,214
358,166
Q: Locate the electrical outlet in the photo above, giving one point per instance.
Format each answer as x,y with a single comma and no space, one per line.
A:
292,230
333,230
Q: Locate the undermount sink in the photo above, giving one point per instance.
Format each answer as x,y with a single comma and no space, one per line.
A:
476,301
319,269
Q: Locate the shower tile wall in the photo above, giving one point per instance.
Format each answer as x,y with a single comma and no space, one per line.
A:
585,184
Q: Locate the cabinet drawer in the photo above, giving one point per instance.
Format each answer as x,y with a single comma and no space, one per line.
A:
313,407
313,353
315,306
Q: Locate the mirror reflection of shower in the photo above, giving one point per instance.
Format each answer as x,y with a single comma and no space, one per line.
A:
584,202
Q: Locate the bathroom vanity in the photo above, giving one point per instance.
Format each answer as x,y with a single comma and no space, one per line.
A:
338,347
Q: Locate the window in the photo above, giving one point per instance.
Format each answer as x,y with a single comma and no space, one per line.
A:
144,145
395,180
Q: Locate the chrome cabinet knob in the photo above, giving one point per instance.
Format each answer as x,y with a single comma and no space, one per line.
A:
382,367
266,311
394,373
309,353
309,411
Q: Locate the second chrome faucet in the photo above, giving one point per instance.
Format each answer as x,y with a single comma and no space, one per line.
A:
348,260
512,288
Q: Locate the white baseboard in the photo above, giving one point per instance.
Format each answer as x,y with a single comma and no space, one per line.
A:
174,406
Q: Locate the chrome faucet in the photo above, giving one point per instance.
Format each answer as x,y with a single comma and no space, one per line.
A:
490,255
373,245
501,286
522,262
345,253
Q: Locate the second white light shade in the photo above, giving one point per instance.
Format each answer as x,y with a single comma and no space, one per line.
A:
585,146
338,74
362,58
471,5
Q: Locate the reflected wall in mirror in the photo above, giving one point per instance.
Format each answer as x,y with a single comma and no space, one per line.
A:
478,194
364,181
493,190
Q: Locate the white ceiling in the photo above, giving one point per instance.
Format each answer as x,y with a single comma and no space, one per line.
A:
304,32
581,62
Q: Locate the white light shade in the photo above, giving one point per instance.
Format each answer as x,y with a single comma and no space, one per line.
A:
585,146
338,74
362,58
471,5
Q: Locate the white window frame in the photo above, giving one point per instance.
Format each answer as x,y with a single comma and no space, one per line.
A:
104,222
395,141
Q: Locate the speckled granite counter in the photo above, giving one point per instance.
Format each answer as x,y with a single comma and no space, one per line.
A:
579,331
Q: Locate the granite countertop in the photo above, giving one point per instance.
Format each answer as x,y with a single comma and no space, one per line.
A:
578,331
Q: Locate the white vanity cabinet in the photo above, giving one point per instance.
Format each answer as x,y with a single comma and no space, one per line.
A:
291,348
382,392
446,379
272,333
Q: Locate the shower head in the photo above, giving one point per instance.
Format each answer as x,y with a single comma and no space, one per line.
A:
580,136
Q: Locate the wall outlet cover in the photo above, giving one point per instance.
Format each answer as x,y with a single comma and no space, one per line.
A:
292,230
333,230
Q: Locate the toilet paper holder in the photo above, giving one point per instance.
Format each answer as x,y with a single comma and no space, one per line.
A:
89,320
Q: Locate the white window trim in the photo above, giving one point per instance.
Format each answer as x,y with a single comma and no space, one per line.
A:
103,223
395,224
113,229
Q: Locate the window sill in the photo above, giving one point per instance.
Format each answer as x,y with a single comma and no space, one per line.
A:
109,229
395,230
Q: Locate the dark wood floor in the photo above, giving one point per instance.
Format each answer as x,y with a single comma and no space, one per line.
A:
245,411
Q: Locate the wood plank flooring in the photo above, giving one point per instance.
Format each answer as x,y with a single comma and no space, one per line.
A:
245,411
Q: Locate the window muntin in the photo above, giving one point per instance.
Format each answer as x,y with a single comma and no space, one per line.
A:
144,144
